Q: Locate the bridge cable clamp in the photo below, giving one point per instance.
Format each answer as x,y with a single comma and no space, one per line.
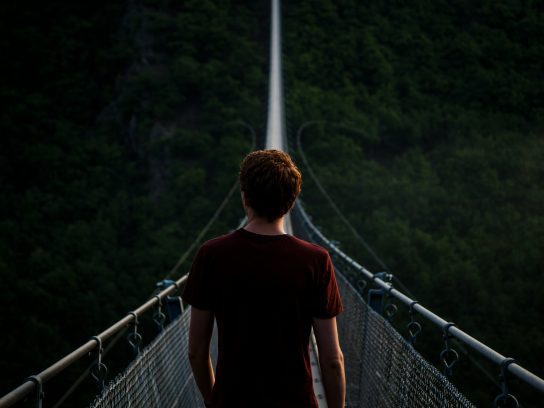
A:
448,356
99,369
361,284
504,398
175,283
178,289
389,289
159,317
414,328
390,308
411,310
134,338
38,383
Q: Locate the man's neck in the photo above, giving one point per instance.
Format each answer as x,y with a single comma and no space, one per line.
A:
262,226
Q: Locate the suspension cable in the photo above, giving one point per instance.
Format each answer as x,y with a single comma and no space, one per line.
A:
24,389
203,232
360,238
181,260
333,205
514,368
214,217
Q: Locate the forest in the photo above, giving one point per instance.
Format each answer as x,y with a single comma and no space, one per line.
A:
124,124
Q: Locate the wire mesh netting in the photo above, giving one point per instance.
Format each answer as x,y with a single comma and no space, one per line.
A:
160,376
382,368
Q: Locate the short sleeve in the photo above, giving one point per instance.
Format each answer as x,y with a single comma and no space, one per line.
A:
327,301
198,290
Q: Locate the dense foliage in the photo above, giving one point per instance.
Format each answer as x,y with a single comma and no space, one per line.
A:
440,166
119,140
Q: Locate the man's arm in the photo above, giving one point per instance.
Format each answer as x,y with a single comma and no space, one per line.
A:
331,361
200,334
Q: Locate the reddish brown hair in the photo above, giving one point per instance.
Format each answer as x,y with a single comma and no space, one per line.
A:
270,181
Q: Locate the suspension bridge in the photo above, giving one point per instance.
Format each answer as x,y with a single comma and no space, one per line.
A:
383,369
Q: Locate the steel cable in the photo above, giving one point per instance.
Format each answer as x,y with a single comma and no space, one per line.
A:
355,233
178,264
214,217
337,210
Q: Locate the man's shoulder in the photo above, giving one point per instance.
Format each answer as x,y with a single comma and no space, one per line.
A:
234,239
218,242
309,247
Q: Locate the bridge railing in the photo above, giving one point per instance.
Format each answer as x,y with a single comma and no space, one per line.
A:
36,382
176,333
506,364
161,375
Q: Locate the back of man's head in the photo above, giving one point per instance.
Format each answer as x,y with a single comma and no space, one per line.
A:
271,182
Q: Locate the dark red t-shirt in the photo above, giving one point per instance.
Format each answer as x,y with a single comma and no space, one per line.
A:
264,291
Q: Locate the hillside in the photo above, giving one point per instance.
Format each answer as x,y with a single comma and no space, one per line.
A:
121,136
430,141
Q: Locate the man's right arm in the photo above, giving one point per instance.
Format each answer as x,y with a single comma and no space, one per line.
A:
331,361
200,333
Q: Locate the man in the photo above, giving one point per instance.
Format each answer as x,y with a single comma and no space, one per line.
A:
266,290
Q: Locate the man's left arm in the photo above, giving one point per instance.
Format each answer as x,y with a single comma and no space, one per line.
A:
200,334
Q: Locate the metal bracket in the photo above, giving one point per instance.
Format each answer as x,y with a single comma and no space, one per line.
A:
505,398
134,338
38,383
448,356
99,370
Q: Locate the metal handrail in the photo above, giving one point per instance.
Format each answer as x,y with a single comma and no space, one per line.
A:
514,368
29,385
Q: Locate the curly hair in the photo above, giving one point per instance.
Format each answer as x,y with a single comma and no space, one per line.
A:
270,181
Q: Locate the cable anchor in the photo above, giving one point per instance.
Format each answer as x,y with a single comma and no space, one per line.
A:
448,356
505,399
99,369
134,338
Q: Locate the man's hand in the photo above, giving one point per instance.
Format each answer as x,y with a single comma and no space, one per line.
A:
331,361
200,334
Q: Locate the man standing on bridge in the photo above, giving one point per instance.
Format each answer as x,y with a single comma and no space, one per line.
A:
266,289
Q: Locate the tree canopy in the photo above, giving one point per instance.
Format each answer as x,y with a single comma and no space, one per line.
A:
121,136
